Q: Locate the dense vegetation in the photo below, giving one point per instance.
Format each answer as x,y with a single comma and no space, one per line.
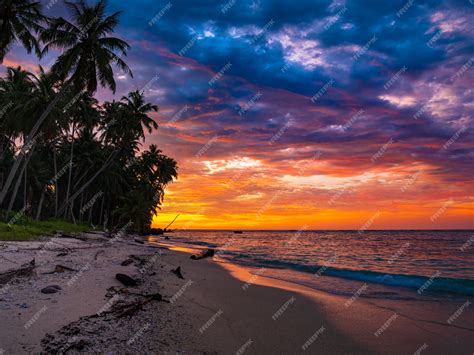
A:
63,154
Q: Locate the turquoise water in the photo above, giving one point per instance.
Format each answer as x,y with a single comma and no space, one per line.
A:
394,264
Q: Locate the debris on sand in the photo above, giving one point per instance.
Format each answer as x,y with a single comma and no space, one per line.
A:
203,254
98,253
60,269
177,272
126,280
126,262
26,270
138,240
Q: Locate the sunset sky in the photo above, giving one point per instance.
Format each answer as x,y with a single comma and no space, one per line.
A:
311,114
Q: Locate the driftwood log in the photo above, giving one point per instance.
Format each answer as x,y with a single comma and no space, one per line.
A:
203,254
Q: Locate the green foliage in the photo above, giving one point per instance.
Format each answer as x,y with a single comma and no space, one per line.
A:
29,229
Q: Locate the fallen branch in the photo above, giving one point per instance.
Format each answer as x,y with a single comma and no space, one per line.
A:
60,268
24,271
129,309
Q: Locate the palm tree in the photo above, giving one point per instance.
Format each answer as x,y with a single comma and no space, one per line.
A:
124,127
19,21
139,109
152,171
87,58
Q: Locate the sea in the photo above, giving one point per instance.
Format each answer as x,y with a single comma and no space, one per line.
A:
402,264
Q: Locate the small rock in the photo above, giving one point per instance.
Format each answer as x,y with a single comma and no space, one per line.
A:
51,289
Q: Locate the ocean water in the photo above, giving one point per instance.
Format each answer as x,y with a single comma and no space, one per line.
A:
388,264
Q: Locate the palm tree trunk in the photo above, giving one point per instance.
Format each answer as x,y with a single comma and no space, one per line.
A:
83,187
70,164
28,141
18,182
72,212
101,209
90,214
56,192
81,204
38,213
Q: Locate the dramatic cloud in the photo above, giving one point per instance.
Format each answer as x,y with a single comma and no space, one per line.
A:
282,113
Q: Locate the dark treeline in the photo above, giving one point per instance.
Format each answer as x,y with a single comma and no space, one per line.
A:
62,153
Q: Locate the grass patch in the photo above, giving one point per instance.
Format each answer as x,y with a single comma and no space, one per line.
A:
30,230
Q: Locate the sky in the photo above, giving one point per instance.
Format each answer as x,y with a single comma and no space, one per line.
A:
305,114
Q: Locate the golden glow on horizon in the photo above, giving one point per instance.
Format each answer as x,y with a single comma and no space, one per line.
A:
238,197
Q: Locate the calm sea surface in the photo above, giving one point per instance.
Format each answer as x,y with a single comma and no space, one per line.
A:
388,264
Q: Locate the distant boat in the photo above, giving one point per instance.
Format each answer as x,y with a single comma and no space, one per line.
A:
238,232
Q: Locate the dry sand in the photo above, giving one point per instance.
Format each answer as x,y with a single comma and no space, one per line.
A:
209,312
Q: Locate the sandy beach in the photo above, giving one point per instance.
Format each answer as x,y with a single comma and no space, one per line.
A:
218,308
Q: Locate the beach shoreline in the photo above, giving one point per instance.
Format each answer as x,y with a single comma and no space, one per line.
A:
217,308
